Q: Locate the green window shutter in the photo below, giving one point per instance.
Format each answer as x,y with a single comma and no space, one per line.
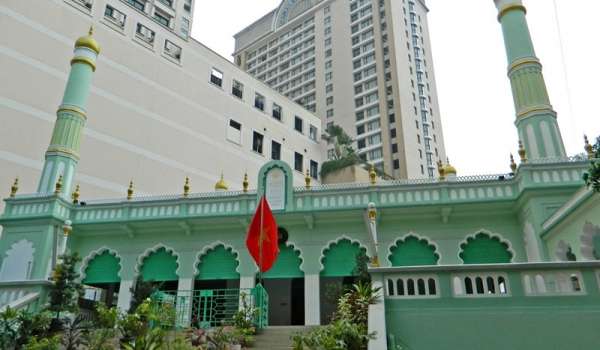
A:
160,266
339,259
218,264
413,252
103,268
484,250
287,264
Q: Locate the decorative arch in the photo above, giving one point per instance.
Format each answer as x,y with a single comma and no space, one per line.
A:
214,248
155,249
485,248
337,242
415,250
286,260
92,255
590,241
18,261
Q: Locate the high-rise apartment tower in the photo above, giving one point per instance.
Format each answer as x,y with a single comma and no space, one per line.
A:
365,65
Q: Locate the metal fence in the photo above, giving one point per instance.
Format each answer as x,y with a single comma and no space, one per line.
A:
212,307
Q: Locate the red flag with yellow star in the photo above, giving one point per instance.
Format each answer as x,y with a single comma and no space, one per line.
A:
263,229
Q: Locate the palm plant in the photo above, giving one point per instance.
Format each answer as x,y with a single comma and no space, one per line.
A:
342,142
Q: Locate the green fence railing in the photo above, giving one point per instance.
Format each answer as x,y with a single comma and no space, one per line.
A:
212,307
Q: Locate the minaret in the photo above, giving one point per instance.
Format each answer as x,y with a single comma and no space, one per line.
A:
62,155
536,121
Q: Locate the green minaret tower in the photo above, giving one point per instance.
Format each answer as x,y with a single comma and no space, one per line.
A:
536,120
62,155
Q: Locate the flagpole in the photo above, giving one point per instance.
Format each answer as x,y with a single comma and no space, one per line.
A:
262,210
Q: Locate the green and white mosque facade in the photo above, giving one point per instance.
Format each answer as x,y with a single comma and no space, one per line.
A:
483,262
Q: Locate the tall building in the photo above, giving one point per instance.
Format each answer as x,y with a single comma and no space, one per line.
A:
365,65
162,106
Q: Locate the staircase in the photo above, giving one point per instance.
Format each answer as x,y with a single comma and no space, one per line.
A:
277,337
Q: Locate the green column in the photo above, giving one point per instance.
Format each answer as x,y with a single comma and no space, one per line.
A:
62,155
535,118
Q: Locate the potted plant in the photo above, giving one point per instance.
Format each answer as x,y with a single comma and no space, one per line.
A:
128,324
65,291
142,291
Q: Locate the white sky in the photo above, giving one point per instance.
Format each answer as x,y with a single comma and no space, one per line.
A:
470,65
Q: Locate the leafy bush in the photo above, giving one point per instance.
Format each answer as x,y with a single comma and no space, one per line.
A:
349,329
592,177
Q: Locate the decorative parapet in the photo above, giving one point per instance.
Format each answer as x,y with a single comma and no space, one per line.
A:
385,194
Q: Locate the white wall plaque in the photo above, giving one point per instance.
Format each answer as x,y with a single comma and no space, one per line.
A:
275,189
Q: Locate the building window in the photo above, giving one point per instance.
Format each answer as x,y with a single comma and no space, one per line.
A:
328,64
330,154
298,124
187,5
329,100
234,132
432,124
393,133
394,148
422,170
257,142
360,129
327,41
327,20
328,53
361,144
275,150
329,88
277,112
396,164
328,76
185,22
327,30
329,113
138,5
237,89
375,154
161,19
312,133
216,77
259,101
392,118
298,161
314,169
183,33
421,154
418,138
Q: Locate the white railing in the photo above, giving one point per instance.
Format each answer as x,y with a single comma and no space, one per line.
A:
552,283
570,159
480,285
412,287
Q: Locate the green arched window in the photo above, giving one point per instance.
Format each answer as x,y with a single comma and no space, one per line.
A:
160,266
218,264
484,249
339,259
103,268
287,264
413,251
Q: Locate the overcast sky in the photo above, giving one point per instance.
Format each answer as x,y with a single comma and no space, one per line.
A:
470,65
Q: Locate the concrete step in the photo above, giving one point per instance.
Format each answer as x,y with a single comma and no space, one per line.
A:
277,337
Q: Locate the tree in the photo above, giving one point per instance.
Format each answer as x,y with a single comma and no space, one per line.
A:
592,177
63,294
342,141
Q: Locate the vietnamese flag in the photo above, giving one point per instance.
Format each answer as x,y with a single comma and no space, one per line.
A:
263,229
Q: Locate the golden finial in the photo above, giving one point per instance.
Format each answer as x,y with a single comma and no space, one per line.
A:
91,32
449,169
186,187
373,175
513,165
441,170
307,179
245,183
221,185
58,185
522,152
75,195
588,148
130,191
14,188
